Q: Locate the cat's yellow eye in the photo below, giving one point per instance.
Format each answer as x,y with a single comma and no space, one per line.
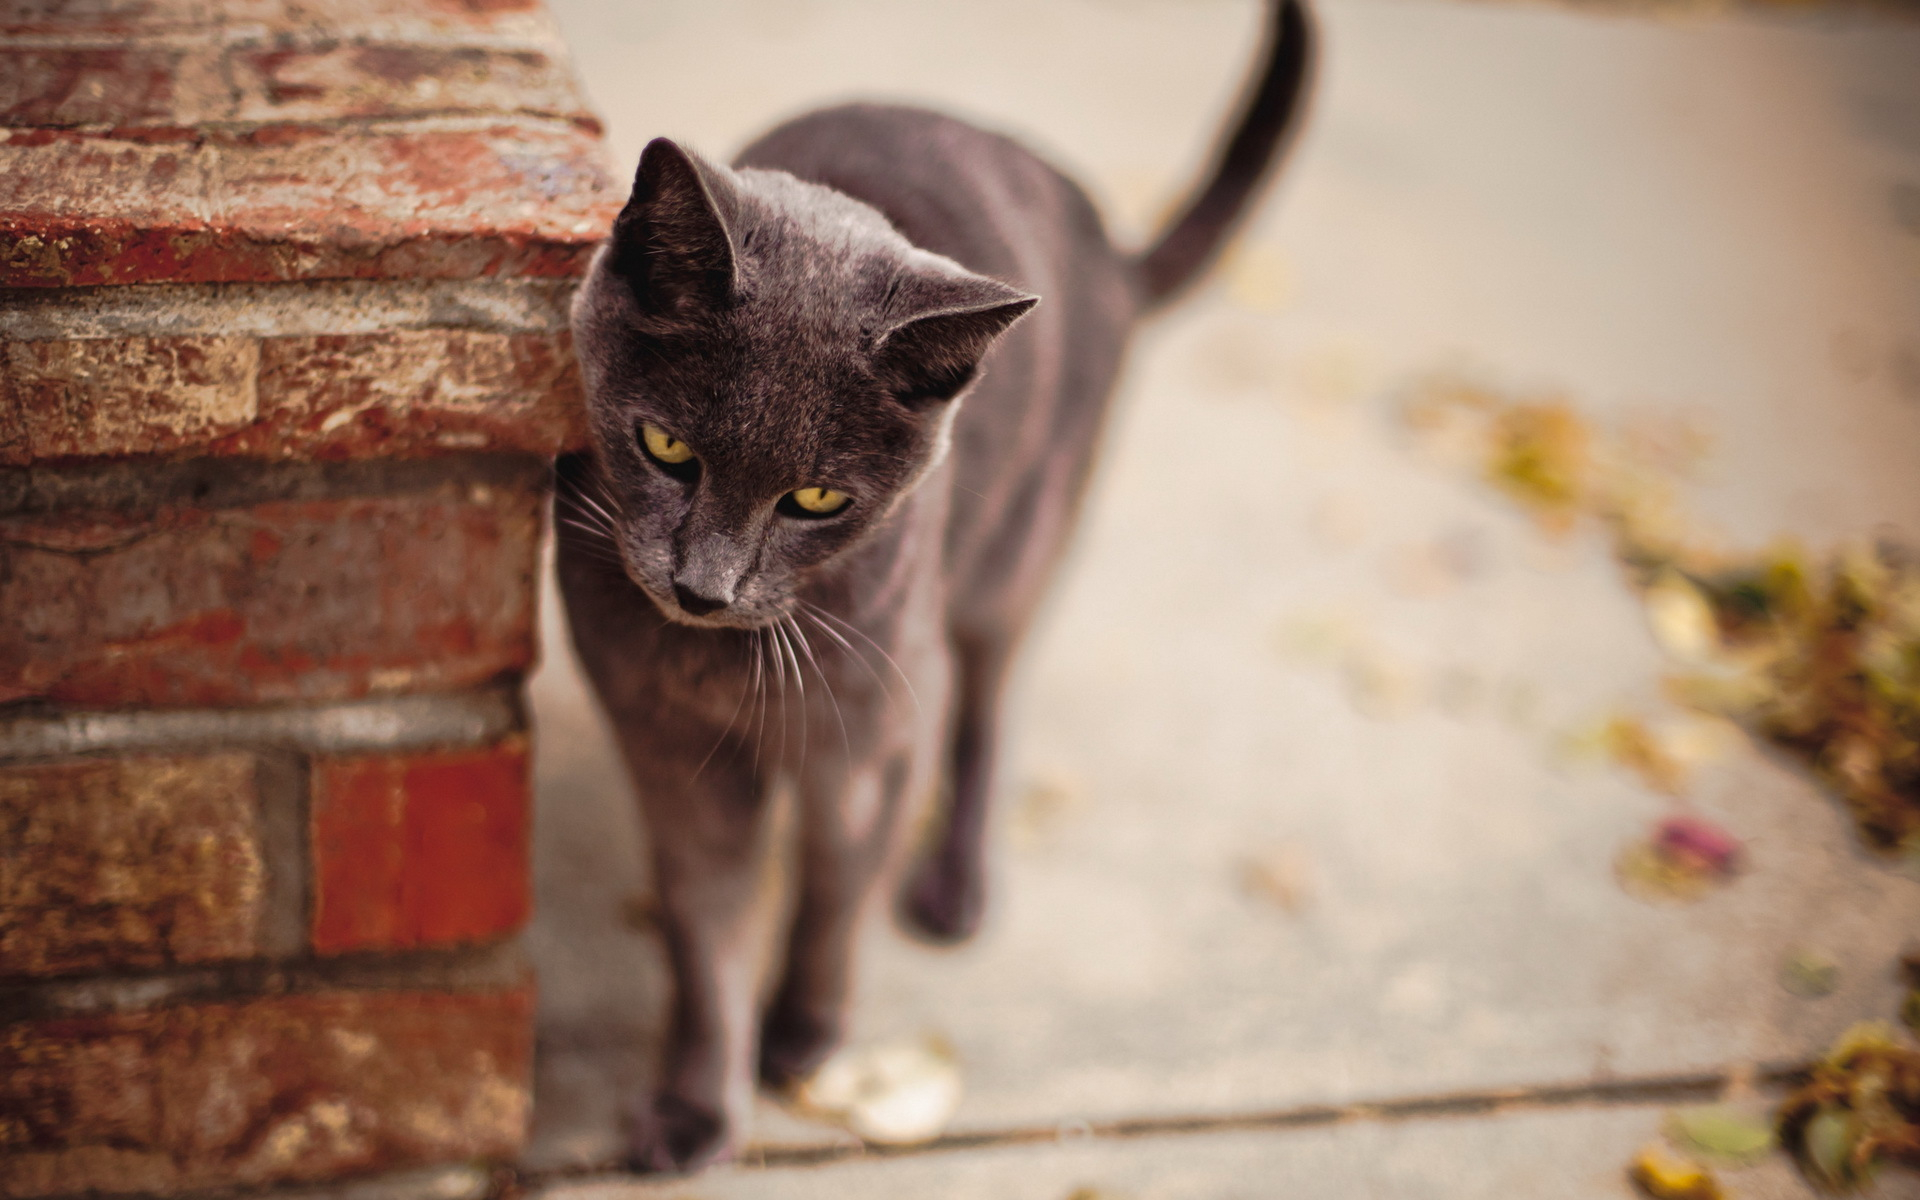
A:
663,445
818,501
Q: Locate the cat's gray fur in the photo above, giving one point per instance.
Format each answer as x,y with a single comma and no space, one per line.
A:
815,316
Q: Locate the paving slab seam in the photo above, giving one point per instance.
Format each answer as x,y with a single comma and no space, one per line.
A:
1624,1092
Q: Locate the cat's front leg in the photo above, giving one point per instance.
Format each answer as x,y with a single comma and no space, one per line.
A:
849,824
708,834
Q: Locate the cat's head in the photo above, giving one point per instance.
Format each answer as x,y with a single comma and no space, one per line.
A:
770,370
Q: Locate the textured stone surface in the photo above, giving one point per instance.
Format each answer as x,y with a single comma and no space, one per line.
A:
132,862
286,1088
301,600
420,850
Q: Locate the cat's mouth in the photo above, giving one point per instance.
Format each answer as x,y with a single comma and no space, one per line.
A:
698,612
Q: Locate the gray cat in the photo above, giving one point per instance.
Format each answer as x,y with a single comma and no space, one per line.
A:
838,441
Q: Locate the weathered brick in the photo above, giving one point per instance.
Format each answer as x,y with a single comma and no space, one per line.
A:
392,80
419,850
123,396
382,395
392,19
282,1089
90,85
294,600
96,18
135,862
164,90
514,197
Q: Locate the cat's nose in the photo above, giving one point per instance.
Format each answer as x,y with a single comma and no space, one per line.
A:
697,604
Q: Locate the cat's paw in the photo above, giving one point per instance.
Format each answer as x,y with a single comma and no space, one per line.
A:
944,902
671,1135
793,1044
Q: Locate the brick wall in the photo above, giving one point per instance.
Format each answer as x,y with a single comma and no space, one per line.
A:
283,357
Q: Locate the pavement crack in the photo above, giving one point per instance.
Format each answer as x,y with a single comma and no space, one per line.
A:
1620,1091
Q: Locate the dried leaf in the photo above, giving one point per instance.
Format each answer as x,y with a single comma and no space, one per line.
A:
1721,1132
1683,859
1540,457
1809,975
1821,658
1857,1111
896,1093
1629,742
1663,1175
1681,617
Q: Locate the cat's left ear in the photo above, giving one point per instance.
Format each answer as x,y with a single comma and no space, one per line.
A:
928,357
671,242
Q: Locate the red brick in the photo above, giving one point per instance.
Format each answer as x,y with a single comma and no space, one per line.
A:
312,600
171,88
123,395
285,1089
522,198
368,395
309,21
84,18
63,86
420,850
138,862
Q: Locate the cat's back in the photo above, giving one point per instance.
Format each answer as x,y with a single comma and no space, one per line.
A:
976,196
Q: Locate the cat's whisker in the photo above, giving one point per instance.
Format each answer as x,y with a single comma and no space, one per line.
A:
721,740
759,699
589,520
846,743
603,509
780,675
851,652
862,635
597,547
799,683
585,527
813,613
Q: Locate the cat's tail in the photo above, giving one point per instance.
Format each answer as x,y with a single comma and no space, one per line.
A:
1267,125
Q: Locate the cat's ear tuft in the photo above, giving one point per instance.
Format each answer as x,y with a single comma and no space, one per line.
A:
671,242
930,356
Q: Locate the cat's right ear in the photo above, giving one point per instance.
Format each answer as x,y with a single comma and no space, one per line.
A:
670,243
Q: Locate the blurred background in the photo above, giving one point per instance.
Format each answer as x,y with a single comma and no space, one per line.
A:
1354,759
